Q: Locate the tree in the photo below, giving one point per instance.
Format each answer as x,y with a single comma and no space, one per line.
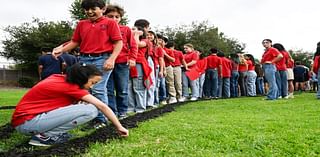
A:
77,13
203,37
24,42
303,56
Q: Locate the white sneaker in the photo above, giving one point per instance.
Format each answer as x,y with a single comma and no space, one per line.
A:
291,95
194,99
286,97
280,97
182,99
172,100
164,102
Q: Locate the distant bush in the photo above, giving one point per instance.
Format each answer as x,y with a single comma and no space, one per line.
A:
26,82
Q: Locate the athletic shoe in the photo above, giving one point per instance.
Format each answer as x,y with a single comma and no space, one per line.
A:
172,100
40,140
182,99
194,99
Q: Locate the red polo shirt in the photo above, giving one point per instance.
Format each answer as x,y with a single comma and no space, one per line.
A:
243,67
226,67
178,56
282,64
171,54
49,94
270,54
190,56
213,61
250,65
158,52
130,48
97,36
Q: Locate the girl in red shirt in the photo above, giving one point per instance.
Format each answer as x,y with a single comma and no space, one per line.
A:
50,109
251,75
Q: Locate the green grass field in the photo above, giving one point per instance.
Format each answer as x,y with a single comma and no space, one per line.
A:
229,127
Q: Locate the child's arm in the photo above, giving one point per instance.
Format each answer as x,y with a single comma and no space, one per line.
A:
58,50
107,112
109,63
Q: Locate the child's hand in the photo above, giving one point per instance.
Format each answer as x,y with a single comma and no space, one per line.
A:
131,63
123,132
57,51
108,64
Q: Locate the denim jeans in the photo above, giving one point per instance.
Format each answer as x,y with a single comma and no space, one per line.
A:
211,78
318,92
193,84
201,83
150,91
282,82
157,85
270,76
251,83
234,83
137,92
162,89
224,87
59,121
242,84
259,85
99,90
118,85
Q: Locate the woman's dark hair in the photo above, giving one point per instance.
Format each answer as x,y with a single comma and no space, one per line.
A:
317,53
79,73
235,58
250,56
279,47
87,4
170,44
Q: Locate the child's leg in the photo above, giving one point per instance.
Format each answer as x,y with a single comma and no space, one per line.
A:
59,121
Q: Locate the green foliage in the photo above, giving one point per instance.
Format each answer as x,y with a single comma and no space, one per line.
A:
26,82
303,56
25,41
203,36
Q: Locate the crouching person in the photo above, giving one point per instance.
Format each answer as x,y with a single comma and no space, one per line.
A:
49,109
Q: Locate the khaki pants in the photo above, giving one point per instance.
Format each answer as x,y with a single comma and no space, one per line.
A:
177,81
170,82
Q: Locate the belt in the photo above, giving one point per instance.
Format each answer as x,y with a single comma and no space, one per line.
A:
93,54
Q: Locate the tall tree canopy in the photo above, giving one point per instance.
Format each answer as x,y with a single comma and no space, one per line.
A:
203,36
24,42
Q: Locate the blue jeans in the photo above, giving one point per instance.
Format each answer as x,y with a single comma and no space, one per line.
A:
224,87
251,83
193,84
282,83
99,90
157,85
211,78
242,84
118,84
162,89
259,85
201,83
234,83
59,121
270,75
150,91
137,92
318,92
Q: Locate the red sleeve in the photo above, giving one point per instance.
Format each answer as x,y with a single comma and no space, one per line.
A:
132,45
76,34
315,66
114,31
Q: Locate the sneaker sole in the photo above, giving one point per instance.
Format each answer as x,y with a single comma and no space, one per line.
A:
37,143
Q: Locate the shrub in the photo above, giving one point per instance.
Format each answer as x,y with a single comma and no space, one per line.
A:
26,82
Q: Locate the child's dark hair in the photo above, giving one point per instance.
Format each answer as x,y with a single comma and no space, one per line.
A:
235,58
279,47
220,54
250,56
87,4
214,50
114,8
141,24
170,44
268,40
79,73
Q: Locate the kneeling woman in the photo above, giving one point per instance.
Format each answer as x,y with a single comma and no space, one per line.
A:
50,109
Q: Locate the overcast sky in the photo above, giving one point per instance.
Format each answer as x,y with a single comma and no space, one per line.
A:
294,23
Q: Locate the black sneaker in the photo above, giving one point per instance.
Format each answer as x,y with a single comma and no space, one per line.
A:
40,140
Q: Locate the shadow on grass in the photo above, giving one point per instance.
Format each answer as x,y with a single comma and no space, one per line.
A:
6,131
79,145
7,107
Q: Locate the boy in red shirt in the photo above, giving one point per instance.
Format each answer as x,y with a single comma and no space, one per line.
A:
211,76
119,77
100,43
225,75
49,109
